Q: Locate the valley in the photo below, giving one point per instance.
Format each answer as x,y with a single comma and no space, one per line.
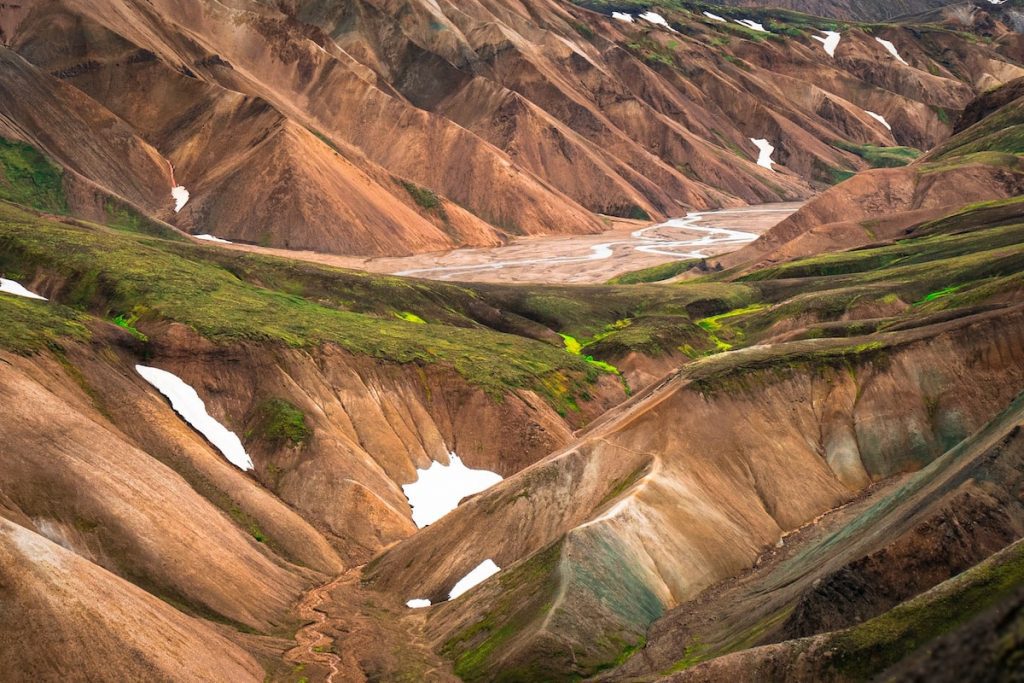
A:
586,259
421,340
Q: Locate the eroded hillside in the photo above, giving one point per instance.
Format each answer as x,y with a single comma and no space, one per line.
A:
393,128
801,461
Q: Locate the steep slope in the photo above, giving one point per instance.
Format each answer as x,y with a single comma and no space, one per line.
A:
858,368
64,616
449,124
981,162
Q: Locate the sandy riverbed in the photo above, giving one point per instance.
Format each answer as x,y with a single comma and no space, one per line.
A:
582,259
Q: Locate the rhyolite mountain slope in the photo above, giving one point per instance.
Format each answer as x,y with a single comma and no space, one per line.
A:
376,128
752,469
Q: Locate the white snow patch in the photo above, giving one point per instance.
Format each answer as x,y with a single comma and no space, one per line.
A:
212,238
830,40
622,16
483,571
186,402
12,287
15,288
891,48
180,195
766,151
996,2
418,603
438,489
879,118
655,18
751,24
709,15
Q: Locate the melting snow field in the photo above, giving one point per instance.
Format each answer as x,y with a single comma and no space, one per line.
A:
879,118
483,571
439,489
891,48
418,603
655,18
766,151
622,16
830,40
12,287
212,238
751,24
709,15
186,402
180,195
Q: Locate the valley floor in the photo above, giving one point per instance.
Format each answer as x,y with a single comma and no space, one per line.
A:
577,259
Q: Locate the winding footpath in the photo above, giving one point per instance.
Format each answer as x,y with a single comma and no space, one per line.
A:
312,636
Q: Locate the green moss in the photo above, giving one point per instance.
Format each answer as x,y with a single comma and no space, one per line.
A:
714,323
526,595
657,273
27,177
938,294
410,317
28,326
425,198
864,650
121,216
281,421
127,322
230,297
880,157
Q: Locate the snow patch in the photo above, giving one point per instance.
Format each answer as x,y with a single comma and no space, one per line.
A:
418,603
12,287
830,40
879,118
766,151
483,571
891,48
751,24
212,238
180,195
438,489
715,17
186,402
622,16
655,18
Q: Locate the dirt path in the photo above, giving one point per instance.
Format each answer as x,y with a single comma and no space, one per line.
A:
353,634
312,644
581,259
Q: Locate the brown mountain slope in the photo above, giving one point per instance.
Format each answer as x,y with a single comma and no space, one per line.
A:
467,123
838,589
66,618
981,162
602,564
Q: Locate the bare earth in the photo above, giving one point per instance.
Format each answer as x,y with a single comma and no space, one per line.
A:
580,259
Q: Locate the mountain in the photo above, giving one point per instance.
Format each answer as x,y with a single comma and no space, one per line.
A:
376,128
798,461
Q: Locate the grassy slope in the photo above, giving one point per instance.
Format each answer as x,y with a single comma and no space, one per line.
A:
27,177
136,279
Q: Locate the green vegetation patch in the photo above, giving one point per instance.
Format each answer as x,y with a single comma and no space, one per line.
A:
866,649
112,272
425,198
880,157
279,420
410,317
27,177
663,271
28,326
